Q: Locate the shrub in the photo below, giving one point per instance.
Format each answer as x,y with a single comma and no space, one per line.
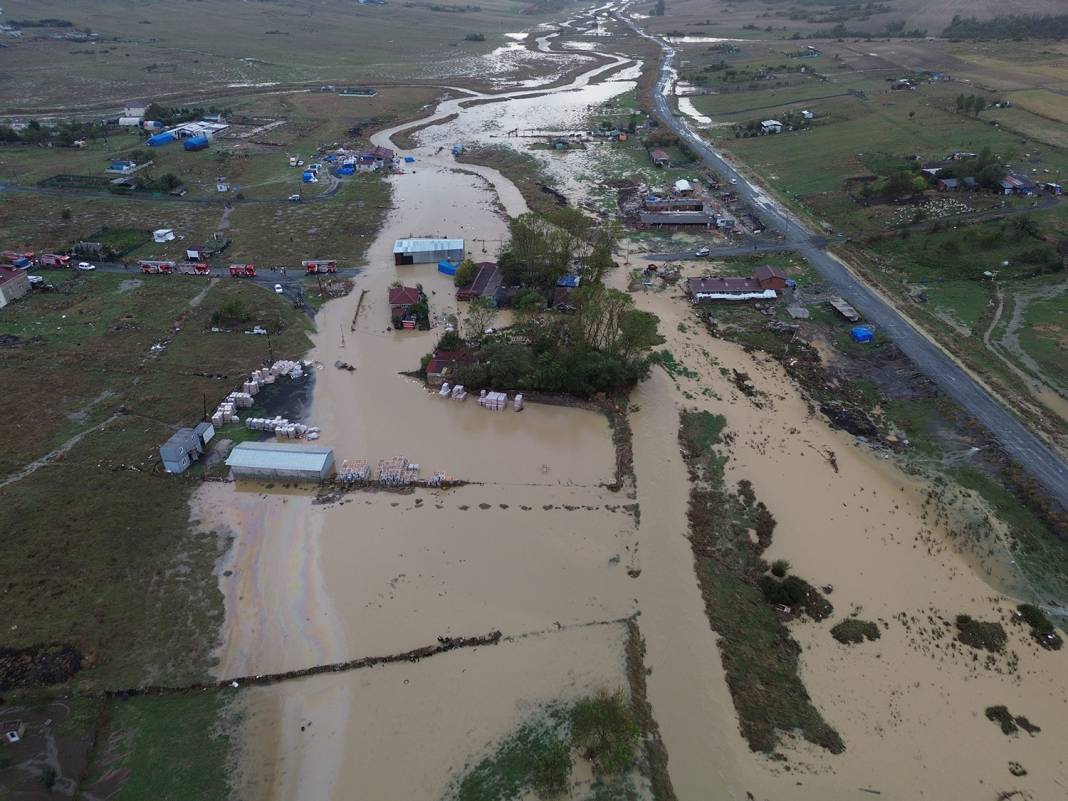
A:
853,630
551,773
1041,627
990,636
779,568
604,729
796,593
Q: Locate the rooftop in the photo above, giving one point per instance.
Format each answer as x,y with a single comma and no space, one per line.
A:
404,295
7,274
272,455
426,245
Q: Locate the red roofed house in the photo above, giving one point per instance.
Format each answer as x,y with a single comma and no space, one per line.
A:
401,300
765,284
13,285
487,279
442,365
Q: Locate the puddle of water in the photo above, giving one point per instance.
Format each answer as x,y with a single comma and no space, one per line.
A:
699,39
687,107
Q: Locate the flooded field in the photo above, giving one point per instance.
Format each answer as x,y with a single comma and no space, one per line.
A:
538,549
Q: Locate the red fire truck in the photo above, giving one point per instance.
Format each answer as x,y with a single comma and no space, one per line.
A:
194,268
243,270
314,266
156,267
54,260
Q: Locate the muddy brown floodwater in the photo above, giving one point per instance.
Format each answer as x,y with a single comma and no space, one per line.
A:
538,549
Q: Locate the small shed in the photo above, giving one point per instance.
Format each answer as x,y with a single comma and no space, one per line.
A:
12,731
205,432
683,187
161,235
862,334
660,158
771,127
427,251
274,460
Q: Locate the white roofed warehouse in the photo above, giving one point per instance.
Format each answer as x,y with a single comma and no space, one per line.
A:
427,251
273,460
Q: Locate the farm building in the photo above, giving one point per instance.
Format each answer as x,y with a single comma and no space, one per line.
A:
13,285
1017,185
273,460
658,203
675,218
771,127
427,251
660,158
765,284
487,279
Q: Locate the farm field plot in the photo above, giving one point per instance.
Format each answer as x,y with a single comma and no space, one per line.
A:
165,49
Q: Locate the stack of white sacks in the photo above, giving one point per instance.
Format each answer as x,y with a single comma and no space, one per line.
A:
227,410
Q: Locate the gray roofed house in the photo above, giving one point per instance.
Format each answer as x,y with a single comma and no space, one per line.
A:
181,450
275,460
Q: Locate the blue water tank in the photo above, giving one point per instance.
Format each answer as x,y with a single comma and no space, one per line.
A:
196,142
447,267
160,139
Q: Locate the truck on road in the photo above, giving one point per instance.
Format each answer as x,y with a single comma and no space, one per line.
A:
194,268
316,266
54,260
242,271
156,267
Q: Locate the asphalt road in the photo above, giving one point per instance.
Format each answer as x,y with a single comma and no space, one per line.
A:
1036,457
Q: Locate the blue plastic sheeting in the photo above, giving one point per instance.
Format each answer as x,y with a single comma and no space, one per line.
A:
568,281
862,334
409,160
346,170
309,177
160,139
447,267
196,143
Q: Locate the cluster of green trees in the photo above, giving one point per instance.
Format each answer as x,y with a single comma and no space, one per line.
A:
541,249
1049,26
791,120
604,344
987,169
176,115
971,104
65,134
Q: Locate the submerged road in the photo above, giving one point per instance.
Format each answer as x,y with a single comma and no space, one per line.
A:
1032,453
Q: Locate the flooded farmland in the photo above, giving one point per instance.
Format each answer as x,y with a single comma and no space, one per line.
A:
538,548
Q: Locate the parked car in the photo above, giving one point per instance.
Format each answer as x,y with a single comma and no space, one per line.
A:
294,198
703,252
278,289
36,279
734,180
84,265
